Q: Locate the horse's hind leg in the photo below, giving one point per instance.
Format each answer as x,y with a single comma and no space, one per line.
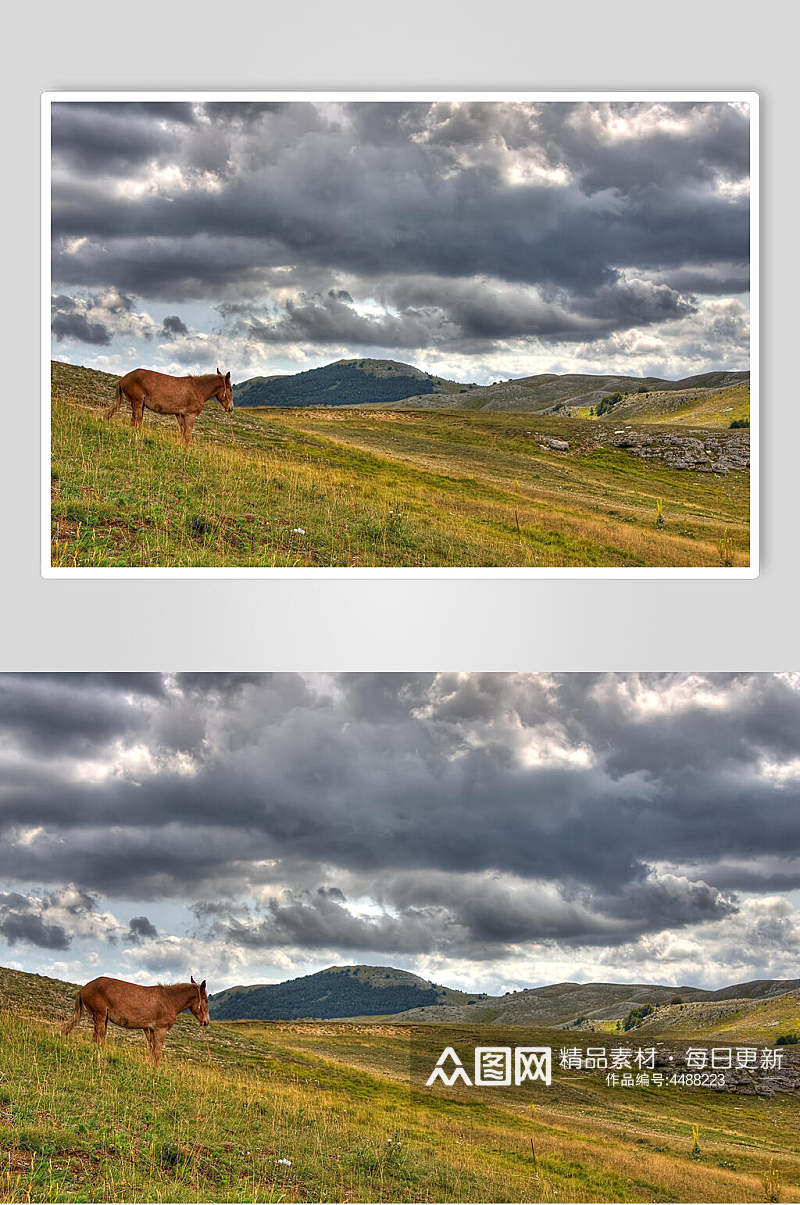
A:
182,424
149,1034
137,411
100,1026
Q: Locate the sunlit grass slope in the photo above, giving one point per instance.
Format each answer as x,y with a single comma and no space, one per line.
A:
705,408
322,1112
748,1021
358,488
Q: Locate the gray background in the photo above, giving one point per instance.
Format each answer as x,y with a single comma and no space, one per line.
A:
400,624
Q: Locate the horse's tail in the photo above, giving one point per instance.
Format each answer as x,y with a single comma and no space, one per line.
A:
76,1015
115,405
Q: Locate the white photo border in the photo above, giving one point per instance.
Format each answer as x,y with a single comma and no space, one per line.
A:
749,98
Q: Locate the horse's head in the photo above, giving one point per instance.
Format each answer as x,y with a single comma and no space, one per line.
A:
199,1006
224,394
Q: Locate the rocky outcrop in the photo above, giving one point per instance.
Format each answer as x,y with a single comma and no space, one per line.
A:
699,451
785,1078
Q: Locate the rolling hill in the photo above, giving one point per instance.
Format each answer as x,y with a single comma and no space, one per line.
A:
344,383
389,384
746,1018
568,1004
575,394
252,387
350,991
703,406
364,991
711,399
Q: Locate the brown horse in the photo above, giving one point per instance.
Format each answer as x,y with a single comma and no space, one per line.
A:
152,1009
184,397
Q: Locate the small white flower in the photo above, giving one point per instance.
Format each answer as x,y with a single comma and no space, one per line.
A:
285,1162
300,531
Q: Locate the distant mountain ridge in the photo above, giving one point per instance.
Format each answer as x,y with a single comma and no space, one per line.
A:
348,991
363,991
343,383
553,393
393,384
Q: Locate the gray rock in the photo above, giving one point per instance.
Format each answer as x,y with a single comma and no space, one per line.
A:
702,452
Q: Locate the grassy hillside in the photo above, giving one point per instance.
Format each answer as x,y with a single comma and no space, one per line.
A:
326,1112
572,392
750,1020
357,991
709,407
344,383
365,991
252,387
562,1004
340,487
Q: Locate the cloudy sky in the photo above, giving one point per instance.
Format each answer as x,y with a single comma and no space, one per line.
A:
476,240
487,831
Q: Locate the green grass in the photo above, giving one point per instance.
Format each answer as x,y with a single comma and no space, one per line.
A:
749,1021
719,408
369,488
82,1124
697,407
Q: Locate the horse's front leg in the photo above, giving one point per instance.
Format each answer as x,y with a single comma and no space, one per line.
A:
188,423
158,1043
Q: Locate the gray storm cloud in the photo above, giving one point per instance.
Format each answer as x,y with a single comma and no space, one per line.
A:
457,816
407,226
21,921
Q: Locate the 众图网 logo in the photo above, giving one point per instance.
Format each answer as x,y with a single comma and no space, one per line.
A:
494,1066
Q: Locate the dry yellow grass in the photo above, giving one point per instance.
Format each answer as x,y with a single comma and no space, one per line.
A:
337,1112
356,488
